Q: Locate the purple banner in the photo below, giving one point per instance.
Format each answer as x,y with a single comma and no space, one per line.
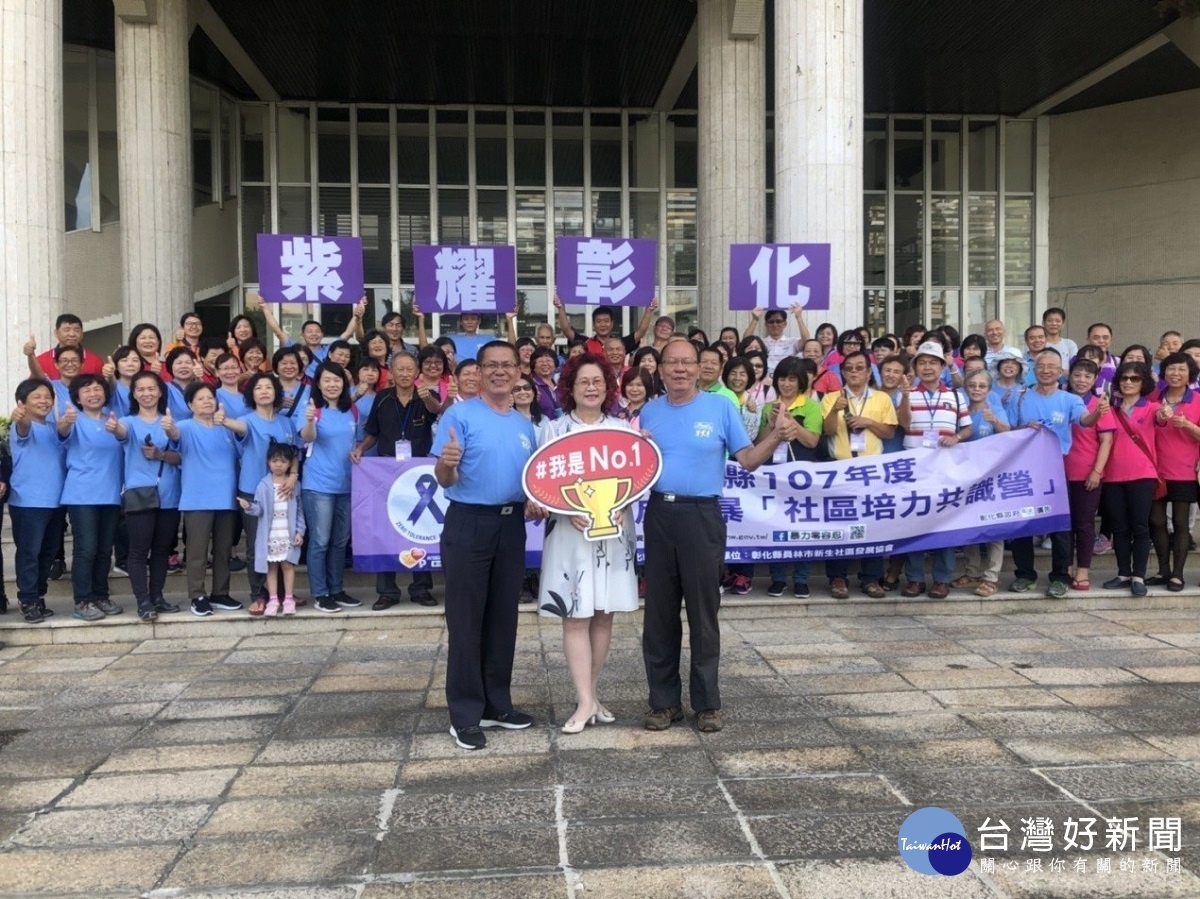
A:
454,280
610,271
295,268
778,275
396,514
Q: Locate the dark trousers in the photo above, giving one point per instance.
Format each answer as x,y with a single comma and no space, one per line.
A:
870,569
1174,545
151,535
685,546
422,584
1084,504
121,542
257,580
1060,557
483,559
37,534
1128,504
93,529
202,527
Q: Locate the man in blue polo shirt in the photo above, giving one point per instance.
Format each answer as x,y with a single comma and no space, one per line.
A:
482,446
685,533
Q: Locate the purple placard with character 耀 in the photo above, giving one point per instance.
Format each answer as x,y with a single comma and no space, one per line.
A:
613,271
779,275
300,268
454,280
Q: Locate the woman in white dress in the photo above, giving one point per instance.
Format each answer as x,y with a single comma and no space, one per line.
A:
583,581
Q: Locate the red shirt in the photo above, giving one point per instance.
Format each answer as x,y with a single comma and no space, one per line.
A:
92,364
1179,451
1085,443
1128,460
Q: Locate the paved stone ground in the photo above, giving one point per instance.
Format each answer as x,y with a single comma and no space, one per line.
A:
317,763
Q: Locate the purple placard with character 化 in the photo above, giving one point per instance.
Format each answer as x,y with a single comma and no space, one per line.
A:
779,275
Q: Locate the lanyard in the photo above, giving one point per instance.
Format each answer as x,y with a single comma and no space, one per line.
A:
408,411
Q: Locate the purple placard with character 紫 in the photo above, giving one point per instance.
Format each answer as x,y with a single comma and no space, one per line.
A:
610,271
454,280
779,275
300,268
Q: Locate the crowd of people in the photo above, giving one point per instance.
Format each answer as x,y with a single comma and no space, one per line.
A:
169,454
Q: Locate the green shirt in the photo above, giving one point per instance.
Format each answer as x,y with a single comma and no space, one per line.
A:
722,390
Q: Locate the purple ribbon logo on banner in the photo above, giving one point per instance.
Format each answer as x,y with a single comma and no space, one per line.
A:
778,275
614,271
455,280
294,268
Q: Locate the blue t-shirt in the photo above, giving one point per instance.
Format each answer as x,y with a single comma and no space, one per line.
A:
62,399
496,446
119,399
695,439
180,410
233,402
253,447
982,428
327,468
301,392
895,443
209,470
318,352
95,465
467,346
143,472
39,467
1057,411
365,404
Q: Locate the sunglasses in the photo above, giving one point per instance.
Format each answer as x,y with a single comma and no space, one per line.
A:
1133,379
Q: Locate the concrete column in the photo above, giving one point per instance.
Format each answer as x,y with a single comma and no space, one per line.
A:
154,155
32,225
731,203
818,139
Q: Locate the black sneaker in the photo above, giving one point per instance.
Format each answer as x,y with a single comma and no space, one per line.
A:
145,610
33,613
161,605
3,604
776,588
57,569
46,613
87,611
510,720
326,604
224,603
237,563
800,591
345,600
201,607
468,738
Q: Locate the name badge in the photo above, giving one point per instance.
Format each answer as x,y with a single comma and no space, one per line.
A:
403,450
780,455
858,441
930,439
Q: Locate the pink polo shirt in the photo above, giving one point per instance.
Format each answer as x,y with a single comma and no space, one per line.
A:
1085,443
1128,462
1178,450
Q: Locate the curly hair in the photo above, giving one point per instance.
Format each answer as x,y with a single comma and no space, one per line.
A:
570,370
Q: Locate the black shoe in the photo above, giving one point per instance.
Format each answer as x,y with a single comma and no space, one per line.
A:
343,599
201,607
1116,583
224,603
145,610
426,599
385,602
57,569
469,738
326,604
237,563
1158,580
161,605
3,603
776,588
32,613
800,591
46,613
510,720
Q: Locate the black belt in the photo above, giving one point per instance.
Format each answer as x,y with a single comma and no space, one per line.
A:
679,498
476,509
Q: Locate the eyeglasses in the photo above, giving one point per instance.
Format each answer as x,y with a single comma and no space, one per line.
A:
499,366
854,368
522,388
1133,379
851,343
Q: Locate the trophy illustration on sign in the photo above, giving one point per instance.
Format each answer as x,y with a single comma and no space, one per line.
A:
596,473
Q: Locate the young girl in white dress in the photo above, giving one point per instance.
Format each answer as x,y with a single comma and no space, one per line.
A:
279,538
584,582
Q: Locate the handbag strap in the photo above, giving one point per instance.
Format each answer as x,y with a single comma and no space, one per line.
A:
1123,418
